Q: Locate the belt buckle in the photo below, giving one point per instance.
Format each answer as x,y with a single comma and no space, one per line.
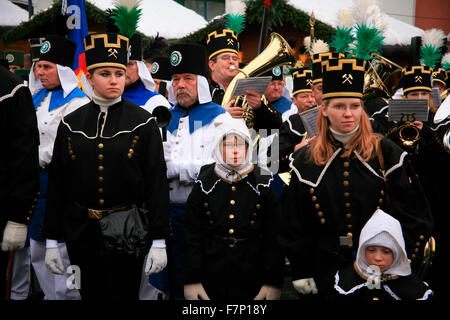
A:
95,214
232,241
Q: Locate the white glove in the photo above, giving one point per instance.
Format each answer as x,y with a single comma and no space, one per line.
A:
195,291
305,286
156,260
268,293
53,261
14,236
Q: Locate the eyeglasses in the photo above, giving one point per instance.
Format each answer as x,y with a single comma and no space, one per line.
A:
341,107
229,57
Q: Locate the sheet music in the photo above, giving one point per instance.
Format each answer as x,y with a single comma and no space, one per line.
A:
259,84
408,110
436,96
309,119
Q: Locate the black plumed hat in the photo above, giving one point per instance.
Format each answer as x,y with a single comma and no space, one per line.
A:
224,40
317,60
106,50
343,78
302,80
416,78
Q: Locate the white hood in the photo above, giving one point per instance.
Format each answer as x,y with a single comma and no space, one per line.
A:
391,237
237,127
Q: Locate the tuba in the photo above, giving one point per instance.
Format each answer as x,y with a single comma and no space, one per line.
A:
380,72
277,53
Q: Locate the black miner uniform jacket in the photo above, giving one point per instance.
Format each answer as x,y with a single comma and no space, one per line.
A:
266,117
351,286
217,212
19,142
292,132
325,208
105,160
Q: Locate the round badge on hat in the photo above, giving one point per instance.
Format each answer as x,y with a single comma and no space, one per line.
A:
10,58
276,71
175,58
45,47
155,67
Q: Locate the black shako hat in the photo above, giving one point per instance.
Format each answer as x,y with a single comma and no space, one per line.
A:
224,40
302,80
440,77
187,58
136,47
317,60
416,78
106,50
59,50
343,78
276,73
35,47
161,68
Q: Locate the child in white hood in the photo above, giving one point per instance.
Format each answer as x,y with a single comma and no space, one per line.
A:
381,270
230,227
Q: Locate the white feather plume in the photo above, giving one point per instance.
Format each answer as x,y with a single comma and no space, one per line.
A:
307,43
319,46
445,58
129,4
433,37
345,18
369,13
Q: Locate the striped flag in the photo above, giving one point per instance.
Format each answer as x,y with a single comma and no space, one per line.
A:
77,23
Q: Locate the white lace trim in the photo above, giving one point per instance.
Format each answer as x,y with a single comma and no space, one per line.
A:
209,191
342,291
368,166
441,124
388,290
13,92
310,183
256,188
398,165
293,130
426,294
379,111
101,133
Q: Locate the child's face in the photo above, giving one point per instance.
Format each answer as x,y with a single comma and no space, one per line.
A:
234,150
381,257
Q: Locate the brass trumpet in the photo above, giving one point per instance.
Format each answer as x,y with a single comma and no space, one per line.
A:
277,53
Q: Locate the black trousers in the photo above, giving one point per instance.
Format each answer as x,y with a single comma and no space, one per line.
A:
104,278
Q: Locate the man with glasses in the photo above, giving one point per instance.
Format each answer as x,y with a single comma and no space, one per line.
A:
222,47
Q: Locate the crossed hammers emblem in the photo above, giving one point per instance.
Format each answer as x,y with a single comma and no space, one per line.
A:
309,82
112,52
418,79
347,78
230,42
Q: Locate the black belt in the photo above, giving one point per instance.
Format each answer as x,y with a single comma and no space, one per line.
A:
98,214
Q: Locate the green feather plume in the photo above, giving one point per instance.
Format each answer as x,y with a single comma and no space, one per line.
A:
430,55
368,40
342,39
235,22
126,19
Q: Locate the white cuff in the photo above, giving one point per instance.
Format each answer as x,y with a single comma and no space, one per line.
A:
50,243
159,243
